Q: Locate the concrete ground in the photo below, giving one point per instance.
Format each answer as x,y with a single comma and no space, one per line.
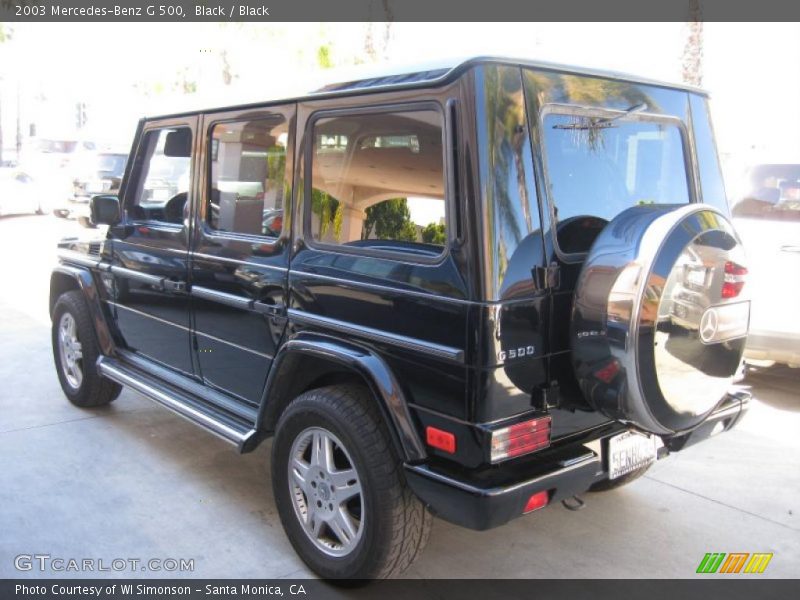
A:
134,481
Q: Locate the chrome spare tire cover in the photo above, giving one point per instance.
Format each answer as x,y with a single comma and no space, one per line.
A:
656,341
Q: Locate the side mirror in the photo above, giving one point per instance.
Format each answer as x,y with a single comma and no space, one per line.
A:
105,210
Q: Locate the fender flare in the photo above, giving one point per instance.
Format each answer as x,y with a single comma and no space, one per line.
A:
86,284
364,362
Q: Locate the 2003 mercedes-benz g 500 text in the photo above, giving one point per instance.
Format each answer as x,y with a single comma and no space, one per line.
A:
469,292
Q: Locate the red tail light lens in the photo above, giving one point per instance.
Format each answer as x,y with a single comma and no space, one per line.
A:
734,280
536,501
520,438
440,439
607,373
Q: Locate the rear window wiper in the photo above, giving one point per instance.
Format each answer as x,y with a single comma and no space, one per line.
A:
599,123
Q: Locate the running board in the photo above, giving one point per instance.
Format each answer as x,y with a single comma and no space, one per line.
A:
226,426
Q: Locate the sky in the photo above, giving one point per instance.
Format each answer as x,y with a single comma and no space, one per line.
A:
124,71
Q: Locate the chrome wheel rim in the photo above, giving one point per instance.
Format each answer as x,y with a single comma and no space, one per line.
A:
326,492
70,351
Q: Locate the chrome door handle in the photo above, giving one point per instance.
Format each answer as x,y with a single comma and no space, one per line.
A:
274,309
173,286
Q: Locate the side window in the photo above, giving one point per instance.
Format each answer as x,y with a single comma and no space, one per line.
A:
248,165
164,180
377,182
598,166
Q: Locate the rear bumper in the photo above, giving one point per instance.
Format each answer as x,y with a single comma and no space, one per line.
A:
487,499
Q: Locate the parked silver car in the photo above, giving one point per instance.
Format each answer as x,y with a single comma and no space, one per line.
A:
767,217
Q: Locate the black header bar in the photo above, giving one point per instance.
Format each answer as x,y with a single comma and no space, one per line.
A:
397,10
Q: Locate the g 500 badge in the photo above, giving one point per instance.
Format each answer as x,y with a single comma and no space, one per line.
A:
513,353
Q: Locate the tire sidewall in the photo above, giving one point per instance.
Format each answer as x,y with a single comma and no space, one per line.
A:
311,411
67,303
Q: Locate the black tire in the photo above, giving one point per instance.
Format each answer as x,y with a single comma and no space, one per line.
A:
93,390
396,525
611,484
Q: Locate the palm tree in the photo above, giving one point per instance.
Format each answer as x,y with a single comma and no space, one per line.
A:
693,50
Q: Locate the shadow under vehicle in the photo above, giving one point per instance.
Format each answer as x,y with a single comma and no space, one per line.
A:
466,307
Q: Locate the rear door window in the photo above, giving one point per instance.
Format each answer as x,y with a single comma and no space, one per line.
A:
248,165
599,164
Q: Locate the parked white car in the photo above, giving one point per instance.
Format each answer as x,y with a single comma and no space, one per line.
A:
767,217
19,193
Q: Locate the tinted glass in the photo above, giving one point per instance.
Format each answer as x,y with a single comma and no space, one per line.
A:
378,182
711,182
165,179
599,167
248,165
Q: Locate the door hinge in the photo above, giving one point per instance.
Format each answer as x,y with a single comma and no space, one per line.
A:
546,397
548,277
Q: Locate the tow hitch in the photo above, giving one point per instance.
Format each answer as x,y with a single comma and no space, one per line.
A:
573,503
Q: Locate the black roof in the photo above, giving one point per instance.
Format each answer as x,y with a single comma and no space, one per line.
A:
405,77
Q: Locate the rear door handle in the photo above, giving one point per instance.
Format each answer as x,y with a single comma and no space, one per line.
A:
170,285
273,309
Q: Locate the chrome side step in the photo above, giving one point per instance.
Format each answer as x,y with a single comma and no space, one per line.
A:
226,426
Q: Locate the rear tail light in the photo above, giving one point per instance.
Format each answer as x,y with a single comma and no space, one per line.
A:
734,280
536,501
520,438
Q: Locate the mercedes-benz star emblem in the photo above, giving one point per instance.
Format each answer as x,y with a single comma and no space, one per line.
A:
708,325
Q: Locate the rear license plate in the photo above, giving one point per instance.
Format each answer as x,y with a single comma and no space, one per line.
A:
629,451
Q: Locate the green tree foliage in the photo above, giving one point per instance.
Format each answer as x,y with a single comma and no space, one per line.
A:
327,208
433,233
390,220
324,59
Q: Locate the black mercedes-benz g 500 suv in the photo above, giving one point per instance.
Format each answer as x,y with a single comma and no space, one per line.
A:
468,292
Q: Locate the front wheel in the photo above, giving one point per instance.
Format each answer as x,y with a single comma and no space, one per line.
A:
340,490
75,351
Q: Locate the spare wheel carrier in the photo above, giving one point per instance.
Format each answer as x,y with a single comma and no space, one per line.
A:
655,342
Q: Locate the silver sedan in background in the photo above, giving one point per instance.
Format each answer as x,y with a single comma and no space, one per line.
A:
767,217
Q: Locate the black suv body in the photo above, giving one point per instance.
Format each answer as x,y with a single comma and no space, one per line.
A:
460,282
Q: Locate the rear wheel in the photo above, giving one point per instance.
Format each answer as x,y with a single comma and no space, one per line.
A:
75,351
340,490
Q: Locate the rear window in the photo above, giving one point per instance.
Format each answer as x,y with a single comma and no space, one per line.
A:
773,194
599,165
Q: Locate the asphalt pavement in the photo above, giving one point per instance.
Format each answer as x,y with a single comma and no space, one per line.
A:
134,481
